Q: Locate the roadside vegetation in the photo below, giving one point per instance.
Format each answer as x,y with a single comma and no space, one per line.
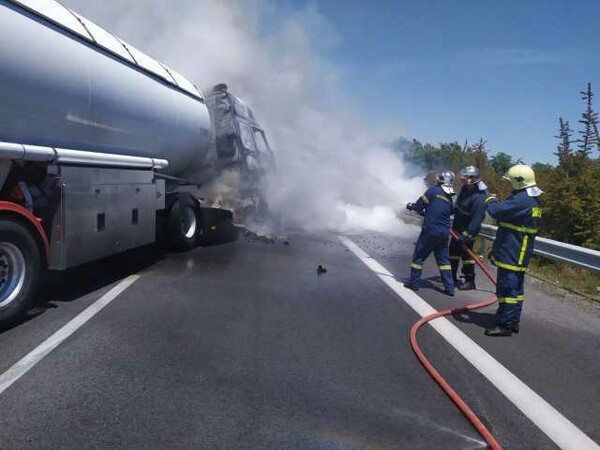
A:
565,276
571,202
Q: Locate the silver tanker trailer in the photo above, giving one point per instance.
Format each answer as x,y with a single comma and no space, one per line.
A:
102,148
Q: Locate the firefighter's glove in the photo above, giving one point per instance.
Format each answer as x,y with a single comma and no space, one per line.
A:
464,240
409,206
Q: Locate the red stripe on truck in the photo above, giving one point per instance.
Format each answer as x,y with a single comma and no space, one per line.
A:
35,221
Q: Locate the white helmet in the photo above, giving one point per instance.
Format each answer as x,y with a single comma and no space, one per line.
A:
446,181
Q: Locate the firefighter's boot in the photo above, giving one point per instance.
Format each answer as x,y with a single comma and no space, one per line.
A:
498,331
468,285
454,265
413,286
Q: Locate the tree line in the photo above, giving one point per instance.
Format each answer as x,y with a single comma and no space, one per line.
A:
571,202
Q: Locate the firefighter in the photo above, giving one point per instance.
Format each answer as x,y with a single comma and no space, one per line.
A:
436,205
518,223
469,212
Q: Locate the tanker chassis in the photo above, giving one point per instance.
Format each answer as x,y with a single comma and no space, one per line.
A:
102,148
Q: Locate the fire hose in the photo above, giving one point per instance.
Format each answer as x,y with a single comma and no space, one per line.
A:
458,401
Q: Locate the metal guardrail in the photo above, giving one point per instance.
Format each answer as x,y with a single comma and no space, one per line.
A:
559,251
585,258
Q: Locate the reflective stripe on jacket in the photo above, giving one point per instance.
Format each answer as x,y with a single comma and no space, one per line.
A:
438,208
518,220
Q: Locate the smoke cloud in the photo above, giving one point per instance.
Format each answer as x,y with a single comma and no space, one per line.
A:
331,172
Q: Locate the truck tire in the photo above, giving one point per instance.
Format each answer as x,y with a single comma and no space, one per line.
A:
184,222
20,269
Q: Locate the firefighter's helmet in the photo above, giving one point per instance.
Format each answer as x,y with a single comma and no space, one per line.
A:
470,175
446,181
521,177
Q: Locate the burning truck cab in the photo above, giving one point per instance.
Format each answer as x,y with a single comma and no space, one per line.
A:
241,145
239,139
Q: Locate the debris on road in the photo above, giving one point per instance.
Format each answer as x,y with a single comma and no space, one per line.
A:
252,236
321,270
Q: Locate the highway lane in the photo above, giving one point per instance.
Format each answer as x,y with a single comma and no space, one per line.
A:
245,346
557,352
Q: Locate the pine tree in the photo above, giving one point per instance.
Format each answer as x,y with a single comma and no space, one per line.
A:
589,120
479,147
479,153
563,150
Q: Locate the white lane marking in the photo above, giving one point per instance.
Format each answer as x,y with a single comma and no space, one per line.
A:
21,367
556,426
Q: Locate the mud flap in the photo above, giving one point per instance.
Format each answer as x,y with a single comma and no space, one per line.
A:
217,226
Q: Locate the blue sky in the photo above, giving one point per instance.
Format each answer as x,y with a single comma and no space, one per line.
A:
462,69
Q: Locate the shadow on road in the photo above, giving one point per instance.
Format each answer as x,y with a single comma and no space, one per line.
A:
66,286
483,320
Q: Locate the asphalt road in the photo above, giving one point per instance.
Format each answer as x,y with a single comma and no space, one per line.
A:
244,345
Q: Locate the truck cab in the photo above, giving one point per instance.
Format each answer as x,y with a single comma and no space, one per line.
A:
240,141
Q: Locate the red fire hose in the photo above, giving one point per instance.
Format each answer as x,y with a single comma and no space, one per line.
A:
458,401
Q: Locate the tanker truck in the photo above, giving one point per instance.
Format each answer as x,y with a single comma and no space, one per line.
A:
103,149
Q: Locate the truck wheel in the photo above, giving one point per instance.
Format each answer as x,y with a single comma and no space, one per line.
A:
20,267
184,222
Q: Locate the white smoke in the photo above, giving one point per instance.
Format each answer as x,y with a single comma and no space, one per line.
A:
331,172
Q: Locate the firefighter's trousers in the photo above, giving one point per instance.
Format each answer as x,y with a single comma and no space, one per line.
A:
510,290
438,244
457,252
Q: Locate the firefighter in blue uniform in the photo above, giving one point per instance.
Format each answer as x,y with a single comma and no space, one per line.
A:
469,211
518,220
436,205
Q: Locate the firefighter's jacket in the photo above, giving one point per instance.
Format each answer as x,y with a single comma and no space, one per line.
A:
518,220
469,211
437,206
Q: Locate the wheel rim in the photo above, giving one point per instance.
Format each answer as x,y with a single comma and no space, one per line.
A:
12,272
187,221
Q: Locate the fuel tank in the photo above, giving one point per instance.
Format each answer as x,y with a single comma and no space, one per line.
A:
67,83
